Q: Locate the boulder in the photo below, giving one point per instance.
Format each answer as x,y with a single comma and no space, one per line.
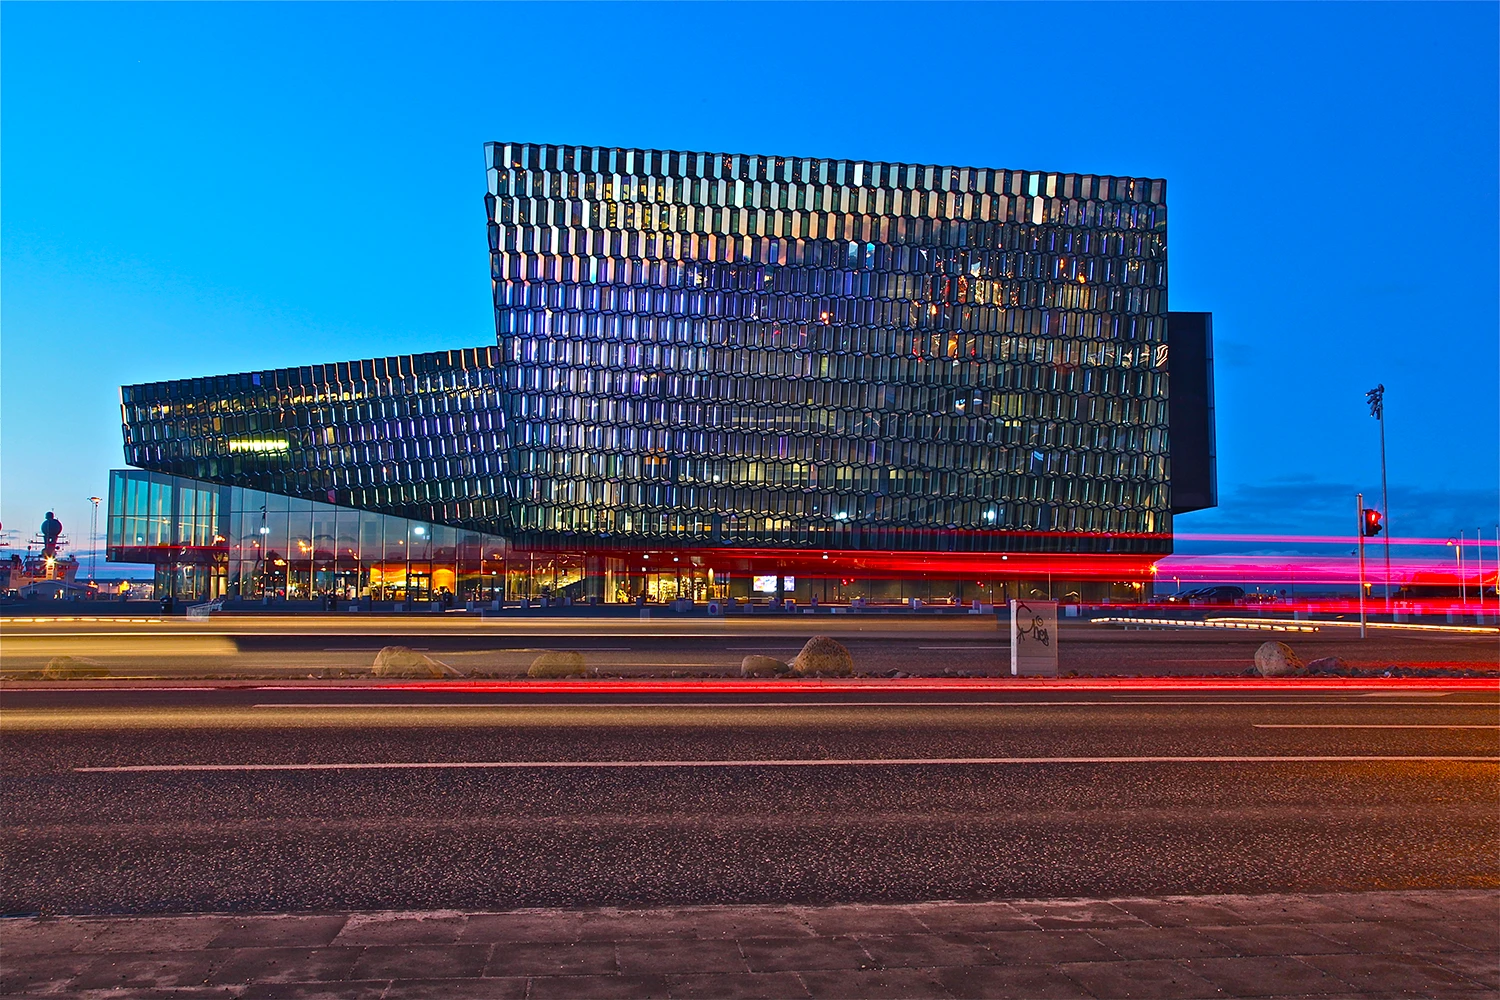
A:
823,655
558,663
1276,659
403,661
763,666
64,668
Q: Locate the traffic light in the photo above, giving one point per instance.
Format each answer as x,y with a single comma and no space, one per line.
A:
1372,522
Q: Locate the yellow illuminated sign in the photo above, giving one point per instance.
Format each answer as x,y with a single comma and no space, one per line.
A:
260,445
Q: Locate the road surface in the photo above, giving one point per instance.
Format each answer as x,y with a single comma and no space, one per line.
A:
322,797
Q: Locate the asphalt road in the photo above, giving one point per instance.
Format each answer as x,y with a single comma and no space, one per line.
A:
331,798
345,645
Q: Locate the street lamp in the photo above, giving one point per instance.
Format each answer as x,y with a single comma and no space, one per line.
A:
94,537
1479,567
1458,559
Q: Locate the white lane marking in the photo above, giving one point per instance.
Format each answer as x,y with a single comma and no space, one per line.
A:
854,762
963,647
770,649
1295,725
1406,694
372,648
837,704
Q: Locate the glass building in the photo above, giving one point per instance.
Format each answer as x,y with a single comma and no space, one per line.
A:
759,367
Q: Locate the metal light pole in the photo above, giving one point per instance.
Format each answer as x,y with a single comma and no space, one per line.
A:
1458,563
1463,582
94,537
1359,533
1376,398
1479,557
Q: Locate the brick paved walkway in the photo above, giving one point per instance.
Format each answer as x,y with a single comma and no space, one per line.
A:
1429,943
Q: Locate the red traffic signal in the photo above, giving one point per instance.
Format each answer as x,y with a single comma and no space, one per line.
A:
1372,522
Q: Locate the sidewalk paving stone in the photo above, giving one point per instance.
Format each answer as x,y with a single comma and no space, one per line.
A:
155,933
1045,947
1475,935
876,984
736,986
1181,911
679,955
1480,967
1405,973
37,973
736,922
282,965
1161,978
927,950
513,988
1387,905
849,920
1473,906
531,926
423,961
1146,943
976,917
1061,914
618,925
43,936
1372,936
1010,982
1272,939
144,969
552,958
600,987
351,990
810,954
365,929
1266,975
1284,909
302,931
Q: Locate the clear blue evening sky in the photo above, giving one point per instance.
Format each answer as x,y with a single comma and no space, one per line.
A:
198,189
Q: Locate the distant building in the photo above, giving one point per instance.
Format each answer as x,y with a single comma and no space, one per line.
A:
719,374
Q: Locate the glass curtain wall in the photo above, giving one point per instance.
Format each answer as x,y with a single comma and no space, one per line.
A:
209,541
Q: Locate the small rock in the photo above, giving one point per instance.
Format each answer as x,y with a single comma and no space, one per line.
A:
762,666
63,668
403,661
558,663
1328,665
1276,659
823,655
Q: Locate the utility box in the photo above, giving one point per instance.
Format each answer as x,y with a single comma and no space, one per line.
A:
1033,638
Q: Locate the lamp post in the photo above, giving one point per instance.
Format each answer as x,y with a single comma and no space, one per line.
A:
1376,398
1458,561
94,537
1359,534
1479,572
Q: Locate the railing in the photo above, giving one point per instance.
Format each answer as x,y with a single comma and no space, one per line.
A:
200,612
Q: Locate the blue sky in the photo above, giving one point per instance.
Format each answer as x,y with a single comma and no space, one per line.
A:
197,189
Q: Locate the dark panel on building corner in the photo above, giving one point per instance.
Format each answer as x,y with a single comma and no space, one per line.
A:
1195,467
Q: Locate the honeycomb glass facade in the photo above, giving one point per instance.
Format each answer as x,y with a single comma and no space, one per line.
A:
723,350
752,363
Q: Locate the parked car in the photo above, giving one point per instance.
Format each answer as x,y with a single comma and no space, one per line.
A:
1208,595
1219,595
